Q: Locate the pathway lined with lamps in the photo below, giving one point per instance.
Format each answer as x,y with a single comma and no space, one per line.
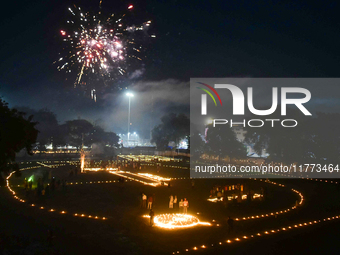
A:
259,234
155,181
269,231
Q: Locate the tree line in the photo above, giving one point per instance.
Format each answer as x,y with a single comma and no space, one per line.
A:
313,140
25,128
220,141
73,132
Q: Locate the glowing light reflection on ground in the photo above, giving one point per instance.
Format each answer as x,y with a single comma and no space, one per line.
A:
178,220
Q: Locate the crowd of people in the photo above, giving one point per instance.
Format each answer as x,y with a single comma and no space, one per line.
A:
179,206
176,205
42,189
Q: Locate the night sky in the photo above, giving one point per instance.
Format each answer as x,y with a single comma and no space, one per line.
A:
194,39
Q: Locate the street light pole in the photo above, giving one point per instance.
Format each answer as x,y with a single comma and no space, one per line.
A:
128,134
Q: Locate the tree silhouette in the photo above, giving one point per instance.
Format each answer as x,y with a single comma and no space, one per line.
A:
196,145
78,132
50,131
312,140
221,141
83,132
172,129
324,137
16,133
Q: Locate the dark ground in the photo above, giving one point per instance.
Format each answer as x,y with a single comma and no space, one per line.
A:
24,229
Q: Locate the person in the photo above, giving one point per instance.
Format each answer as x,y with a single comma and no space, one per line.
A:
47,190
150,202
171,202
53,184
225,199
230,222
185,206
219,195
248,197
151,214
175,203
140,197
64,184
144,201
26,184
58,184
181,206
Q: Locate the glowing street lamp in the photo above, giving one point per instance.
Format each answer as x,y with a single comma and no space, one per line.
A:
135,138
129,95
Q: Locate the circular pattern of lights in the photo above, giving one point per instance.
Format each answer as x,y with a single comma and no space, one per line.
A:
178,220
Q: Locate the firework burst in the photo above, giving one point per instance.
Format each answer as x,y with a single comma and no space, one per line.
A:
95,45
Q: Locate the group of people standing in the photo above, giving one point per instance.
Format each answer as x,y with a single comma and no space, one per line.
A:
181,206
41,189
147,201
